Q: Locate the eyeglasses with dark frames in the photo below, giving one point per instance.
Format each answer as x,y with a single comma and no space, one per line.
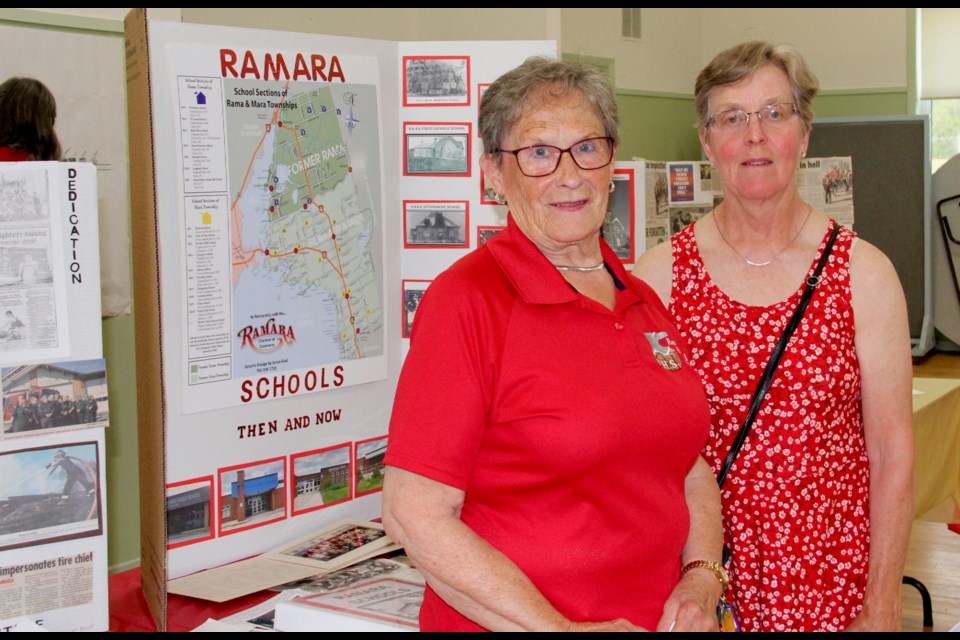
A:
538,160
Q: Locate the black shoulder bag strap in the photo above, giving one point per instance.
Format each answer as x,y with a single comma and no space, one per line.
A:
761,393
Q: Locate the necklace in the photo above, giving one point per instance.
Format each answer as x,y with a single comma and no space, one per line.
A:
563,267
716,221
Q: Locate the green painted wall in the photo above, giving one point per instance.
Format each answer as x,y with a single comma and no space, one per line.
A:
836,104
122,458
657,127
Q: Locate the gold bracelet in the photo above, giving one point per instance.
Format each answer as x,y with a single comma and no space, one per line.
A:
715,567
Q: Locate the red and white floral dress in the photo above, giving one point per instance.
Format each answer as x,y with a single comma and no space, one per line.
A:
795,502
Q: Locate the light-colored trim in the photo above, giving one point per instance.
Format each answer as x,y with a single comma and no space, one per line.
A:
654,94
123,566
862,92
49,19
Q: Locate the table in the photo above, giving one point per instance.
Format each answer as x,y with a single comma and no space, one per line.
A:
936,467
129,612
936,426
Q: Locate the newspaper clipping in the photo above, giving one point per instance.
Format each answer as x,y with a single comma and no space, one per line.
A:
28,304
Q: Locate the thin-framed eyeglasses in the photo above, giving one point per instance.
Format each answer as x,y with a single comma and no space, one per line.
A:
774,115
540,160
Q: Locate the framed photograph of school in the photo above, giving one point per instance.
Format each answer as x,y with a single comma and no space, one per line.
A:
437,149
321,478
189,512
251,495
436,81
620,221
412,293
485,232
369,465
436,224
50,494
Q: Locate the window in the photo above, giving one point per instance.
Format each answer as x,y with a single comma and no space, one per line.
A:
944,130
939,82
631,23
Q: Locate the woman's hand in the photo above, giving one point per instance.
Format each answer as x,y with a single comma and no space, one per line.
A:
887,619
611,625
693,604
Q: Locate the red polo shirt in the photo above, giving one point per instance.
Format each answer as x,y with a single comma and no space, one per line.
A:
568,434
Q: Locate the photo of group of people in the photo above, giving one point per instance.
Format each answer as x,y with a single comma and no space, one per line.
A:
47,397
336,546
436,80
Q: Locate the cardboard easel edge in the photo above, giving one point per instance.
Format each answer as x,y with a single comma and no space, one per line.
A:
149,361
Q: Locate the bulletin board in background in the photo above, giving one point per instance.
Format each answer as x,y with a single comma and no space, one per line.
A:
84,69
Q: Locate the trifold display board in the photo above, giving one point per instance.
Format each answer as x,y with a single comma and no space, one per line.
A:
53,520
891,198
286,188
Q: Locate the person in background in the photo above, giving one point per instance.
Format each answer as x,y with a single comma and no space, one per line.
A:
544,468
28,112
818,504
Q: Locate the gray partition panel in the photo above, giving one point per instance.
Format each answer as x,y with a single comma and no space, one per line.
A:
891,199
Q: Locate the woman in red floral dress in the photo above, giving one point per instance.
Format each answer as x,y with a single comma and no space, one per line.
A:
818,504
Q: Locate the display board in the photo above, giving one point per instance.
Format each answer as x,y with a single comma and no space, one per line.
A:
891,199
53,520
284,186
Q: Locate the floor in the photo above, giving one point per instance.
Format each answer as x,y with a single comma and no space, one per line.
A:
934,556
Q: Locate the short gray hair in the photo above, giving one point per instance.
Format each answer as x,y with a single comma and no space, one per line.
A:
503,102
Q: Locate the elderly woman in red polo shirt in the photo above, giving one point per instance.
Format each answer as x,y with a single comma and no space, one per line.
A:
543,467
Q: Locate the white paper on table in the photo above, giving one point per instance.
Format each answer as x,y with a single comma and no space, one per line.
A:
237,579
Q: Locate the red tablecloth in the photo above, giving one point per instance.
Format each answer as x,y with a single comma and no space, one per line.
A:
129,612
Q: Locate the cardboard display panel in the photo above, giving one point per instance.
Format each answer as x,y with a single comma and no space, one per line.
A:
269,172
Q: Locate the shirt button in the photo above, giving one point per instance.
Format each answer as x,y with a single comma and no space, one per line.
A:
618,325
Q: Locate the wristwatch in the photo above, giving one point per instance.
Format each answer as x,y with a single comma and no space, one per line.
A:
716,567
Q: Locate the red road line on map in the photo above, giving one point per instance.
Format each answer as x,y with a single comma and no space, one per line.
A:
251,253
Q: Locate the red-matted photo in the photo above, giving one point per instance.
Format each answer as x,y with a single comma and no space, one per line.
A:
488,195
412,292
369,465
321,478
251,495
619,223
481,87
485,232
437,149
190,507
436,81
436,224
